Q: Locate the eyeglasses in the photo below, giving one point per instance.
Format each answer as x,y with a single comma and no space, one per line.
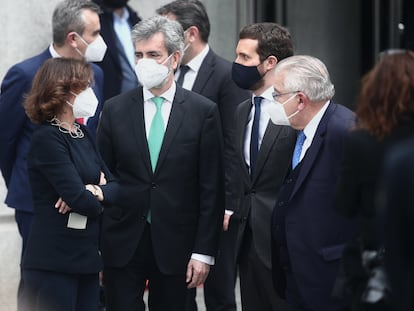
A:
275,94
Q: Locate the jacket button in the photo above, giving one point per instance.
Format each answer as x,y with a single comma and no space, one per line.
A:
153,185
281,203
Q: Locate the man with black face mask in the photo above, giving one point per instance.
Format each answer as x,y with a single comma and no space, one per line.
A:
264,155
117,21
208,74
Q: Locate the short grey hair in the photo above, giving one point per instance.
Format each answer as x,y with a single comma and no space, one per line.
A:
172,31
68,17
307,74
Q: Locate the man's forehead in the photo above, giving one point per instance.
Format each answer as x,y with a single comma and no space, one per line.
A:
153,43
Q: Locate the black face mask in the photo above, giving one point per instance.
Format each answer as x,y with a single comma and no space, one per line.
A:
115,4
245,77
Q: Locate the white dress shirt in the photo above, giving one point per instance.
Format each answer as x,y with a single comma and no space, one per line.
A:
264,120
194,66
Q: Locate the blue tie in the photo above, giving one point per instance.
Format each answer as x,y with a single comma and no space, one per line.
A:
298,149
254,140
156,133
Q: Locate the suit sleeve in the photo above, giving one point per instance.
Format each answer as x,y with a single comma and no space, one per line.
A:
211,182
52,158
103,139
230,97
12,117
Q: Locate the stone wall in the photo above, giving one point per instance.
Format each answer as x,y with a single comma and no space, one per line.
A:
27,27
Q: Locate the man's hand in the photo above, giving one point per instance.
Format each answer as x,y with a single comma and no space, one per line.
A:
102,179
226,221
62,207
197,273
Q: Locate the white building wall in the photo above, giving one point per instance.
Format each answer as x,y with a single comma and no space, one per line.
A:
26,26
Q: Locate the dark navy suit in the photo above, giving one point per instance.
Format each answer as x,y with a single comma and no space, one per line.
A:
308,236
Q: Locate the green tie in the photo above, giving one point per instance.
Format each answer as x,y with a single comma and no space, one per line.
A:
156,133
155,137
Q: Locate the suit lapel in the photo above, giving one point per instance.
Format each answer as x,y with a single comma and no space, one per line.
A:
135,110
313,150
243,119
174,123
271,135
204,73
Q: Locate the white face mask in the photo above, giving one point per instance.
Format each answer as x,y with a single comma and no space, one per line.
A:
85,104
278,114
152,74
95,51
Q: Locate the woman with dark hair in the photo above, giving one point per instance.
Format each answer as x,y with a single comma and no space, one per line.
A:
385,116
61,263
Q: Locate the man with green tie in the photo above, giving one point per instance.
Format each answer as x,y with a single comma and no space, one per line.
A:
164,144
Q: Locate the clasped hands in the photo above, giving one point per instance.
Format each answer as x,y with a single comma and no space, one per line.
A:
63,208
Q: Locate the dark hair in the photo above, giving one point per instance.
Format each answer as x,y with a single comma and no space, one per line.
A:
52,87
189,13
273,40
387,94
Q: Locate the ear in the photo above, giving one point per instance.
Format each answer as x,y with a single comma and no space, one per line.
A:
176,58
71,39
303,101
271,62
193,33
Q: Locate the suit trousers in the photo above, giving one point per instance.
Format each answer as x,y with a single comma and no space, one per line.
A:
56,291
124,287
256,285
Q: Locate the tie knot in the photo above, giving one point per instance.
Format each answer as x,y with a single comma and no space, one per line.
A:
184,69
158,102
257,100
301,137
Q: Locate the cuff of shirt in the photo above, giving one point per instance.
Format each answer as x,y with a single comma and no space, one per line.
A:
203,258
228,212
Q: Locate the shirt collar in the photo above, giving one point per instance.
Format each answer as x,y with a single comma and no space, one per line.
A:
312,126
267,94
53,51
196,62
167,95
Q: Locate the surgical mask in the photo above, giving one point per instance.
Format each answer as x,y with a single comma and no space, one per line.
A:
85,104
245,77
152,74
95,51
278,114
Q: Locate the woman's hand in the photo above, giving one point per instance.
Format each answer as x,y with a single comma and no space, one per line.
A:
62,207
